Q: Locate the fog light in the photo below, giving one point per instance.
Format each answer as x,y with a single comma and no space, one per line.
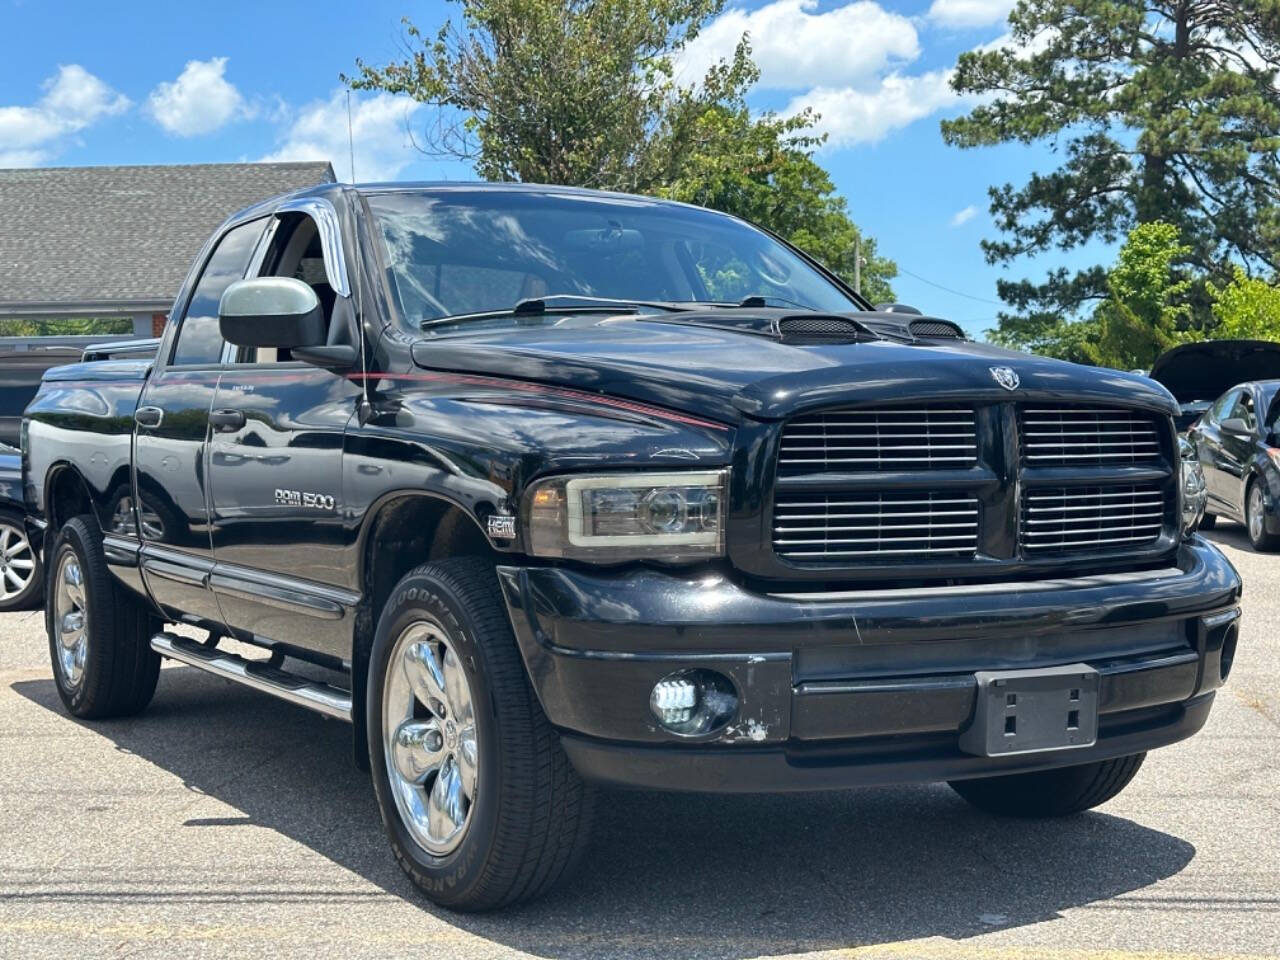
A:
693,702
673,701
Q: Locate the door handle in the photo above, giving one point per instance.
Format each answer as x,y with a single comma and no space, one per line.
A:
224,421
148,417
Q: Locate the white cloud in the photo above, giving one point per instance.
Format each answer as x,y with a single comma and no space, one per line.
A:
796,47
852,115
969,13
380,131
23,158
73,99
961,217
200,101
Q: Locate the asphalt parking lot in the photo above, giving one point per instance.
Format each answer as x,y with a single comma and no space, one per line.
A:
223,823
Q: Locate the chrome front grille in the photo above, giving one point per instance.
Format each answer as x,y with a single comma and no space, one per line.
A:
879,439
1071,436
944,489
891,526
1097,518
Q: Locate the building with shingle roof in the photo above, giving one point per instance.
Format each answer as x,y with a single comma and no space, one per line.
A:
107,244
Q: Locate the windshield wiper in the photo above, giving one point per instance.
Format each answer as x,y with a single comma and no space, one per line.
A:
539,304
762,300
581,303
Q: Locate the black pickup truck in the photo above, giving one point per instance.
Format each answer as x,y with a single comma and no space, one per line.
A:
562,489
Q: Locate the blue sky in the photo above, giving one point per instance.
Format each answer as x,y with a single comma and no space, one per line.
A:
149,82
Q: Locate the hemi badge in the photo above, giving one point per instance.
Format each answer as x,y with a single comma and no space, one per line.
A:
502,526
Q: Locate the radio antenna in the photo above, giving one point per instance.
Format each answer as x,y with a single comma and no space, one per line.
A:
365,410
351,140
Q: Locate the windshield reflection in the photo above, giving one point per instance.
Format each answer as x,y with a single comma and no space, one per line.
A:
458,252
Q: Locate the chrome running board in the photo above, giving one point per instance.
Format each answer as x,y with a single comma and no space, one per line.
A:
312,694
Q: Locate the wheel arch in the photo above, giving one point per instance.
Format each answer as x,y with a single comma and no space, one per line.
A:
401,530
66,494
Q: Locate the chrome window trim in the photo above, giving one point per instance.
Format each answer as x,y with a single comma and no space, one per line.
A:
325,216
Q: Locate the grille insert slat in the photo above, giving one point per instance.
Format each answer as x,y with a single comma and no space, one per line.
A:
1075,436
816,527
896,438
1074,518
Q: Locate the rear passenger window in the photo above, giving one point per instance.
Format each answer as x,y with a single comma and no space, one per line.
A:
198,338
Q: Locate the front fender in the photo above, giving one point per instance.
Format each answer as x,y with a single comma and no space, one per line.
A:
480,449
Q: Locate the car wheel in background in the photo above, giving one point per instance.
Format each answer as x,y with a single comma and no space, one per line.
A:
99,634
21,576
1051,793
1255,521
1208,522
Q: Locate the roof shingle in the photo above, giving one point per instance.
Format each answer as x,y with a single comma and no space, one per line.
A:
93,234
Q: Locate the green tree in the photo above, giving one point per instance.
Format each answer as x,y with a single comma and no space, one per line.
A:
584,92
1247,308
1146,311
1166,110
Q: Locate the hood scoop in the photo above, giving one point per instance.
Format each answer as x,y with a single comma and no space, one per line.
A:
936,329
816,328
902,326
801,329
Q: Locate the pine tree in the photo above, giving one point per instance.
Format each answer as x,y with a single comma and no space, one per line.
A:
1163,110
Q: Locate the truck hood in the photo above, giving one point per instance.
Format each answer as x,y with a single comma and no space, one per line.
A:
731,369
1205,371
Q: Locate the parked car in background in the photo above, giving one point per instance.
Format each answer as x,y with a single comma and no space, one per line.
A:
20,575
20,373
1199,373
1236,440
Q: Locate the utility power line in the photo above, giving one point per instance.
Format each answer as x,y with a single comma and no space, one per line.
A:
958,293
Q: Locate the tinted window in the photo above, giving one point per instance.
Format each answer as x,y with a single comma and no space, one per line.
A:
470,251
1244,410
1266,397
198,338
1218,412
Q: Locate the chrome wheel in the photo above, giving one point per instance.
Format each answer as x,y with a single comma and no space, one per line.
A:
71,618
429,737
126,516
17,562
1255,513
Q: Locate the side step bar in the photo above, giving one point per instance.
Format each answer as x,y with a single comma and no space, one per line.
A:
312,694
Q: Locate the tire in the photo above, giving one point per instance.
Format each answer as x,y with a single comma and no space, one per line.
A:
1051,793
111,670
527,816
21,574
1208,522
1255,519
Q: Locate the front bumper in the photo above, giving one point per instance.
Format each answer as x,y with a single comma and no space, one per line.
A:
860,687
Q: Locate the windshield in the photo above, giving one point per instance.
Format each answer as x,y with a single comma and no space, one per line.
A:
456,252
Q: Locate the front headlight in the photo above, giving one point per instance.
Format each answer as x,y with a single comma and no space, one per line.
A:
1194,495
612,518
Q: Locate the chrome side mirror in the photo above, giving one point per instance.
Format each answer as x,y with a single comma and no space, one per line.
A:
276,312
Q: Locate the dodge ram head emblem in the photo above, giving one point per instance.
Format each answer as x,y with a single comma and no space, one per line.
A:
1006,377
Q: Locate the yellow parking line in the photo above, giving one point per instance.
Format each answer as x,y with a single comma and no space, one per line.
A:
460,940
948,950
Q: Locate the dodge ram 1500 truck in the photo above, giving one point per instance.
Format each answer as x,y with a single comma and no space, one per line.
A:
563,489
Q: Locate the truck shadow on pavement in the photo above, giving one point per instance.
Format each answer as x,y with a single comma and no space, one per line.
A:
667,874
